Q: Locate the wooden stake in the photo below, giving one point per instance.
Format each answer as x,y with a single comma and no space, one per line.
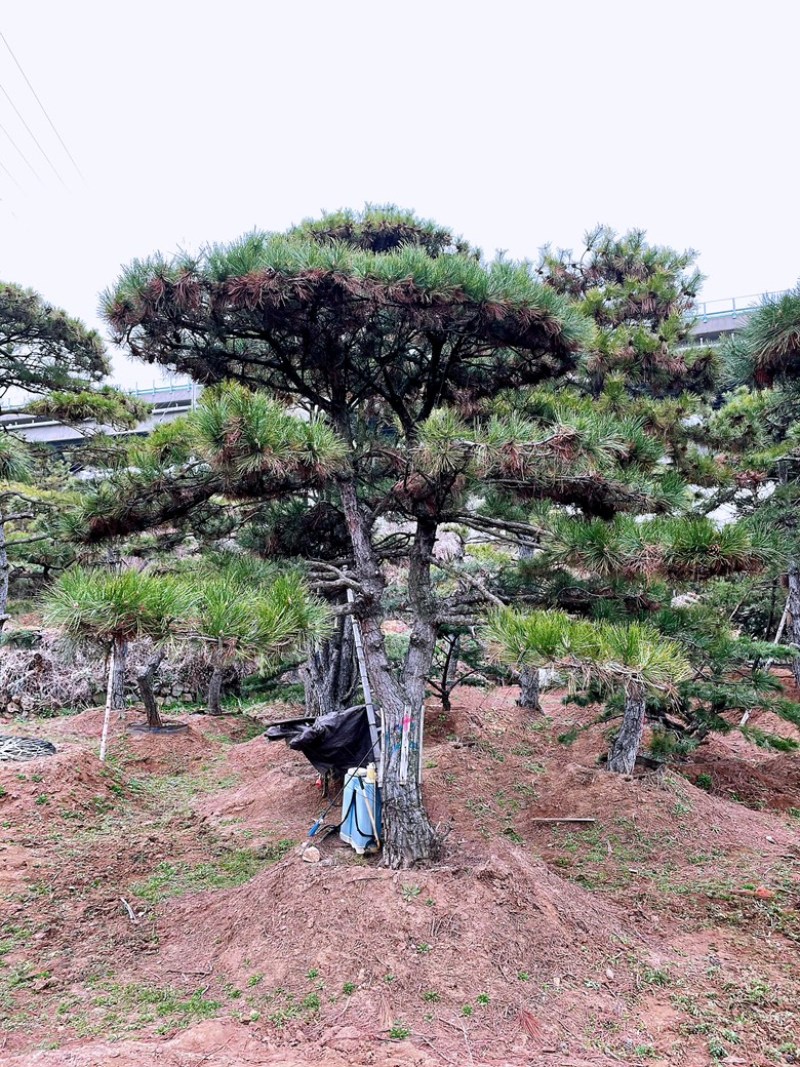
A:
564,819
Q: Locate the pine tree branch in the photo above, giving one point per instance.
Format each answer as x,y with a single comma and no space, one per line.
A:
28,540
469,580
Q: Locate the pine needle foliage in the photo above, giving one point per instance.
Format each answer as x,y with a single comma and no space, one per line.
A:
102,606
383,291
106,406
690,548
238,444
641,297
767,350
612,654
252,611
15,462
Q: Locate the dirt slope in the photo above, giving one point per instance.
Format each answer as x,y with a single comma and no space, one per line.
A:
666,931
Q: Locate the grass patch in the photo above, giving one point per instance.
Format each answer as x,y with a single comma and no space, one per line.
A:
231,869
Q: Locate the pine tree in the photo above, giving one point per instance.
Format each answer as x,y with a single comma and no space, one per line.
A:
243,609
46,353
643,375
759,429
110,609
42,348
395,338
631,658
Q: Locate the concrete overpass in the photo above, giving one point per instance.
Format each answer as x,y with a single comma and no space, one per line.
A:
169,402
718,318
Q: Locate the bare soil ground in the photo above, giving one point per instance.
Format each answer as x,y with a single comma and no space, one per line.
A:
158,909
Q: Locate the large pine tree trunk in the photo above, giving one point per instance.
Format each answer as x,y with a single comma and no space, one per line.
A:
528,676
145,679
118,678
409,836
329,672
625,748
794,615
214,691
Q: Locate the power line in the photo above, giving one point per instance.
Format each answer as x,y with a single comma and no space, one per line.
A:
41,105
5,169
19,115
25,159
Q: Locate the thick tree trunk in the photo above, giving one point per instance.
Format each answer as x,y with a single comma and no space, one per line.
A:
794,614
625,748
329,672
409,836
118,679
529,689
5,568
528,676
145,679
214,692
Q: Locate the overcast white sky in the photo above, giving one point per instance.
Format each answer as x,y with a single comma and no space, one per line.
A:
515,123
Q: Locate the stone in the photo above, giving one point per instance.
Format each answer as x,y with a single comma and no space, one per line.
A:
347,1039
311,854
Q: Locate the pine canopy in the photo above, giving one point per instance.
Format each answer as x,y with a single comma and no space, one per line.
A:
334,318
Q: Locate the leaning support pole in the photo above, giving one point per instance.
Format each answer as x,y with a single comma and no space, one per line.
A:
362,667
109,702
782,626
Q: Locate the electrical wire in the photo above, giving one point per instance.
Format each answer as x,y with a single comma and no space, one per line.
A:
22,155
5,170
21,118
41,105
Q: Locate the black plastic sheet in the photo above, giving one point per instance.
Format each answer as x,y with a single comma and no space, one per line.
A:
333,742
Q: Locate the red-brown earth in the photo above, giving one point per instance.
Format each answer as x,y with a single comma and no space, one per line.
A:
666,931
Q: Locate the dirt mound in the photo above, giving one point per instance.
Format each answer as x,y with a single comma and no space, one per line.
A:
274,793
486,934
661,806
773,784
664,925
55,786
152,752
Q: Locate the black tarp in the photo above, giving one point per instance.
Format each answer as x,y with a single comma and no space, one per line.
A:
333,742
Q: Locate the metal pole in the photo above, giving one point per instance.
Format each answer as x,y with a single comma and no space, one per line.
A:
362,668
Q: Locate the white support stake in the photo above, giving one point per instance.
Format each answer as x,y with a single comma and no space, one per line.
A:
419,747
382,760
404,744
107,715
